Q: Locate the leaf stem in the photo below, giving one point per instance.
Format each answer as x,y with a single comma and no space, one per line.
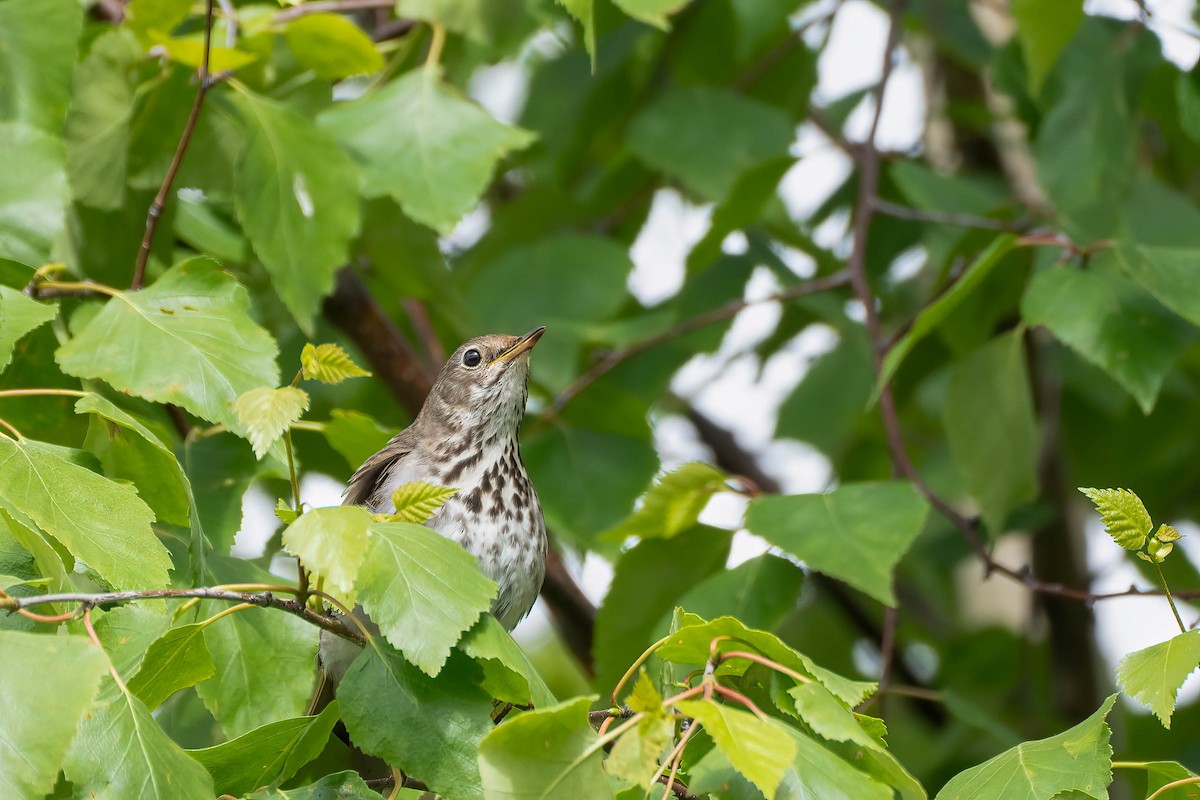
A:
9,425
1162,580
1166,787
649,651
436,43
91,632
225,613
79,286
40,392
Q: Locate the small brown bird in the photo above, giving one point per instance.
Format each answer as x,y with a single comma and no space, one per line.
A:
466,437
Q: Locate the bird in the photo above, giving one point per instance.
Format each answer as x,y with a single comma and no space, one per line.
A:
466,437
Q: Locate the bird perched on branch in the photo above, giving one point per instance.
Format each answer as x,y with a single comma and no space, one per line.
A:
466,437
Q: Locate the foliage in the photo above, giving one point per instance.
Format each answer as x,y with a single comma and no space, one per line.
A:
214,217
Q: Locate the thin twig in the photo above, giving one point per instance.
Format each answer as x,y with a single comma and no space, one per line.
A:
263,600
330,7
898,211
206,82
690,325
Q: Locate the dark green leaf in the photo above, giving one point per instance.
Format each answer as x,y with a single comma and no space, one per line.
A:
507,672
1171,274
339,786
1044,27
19,316
355,436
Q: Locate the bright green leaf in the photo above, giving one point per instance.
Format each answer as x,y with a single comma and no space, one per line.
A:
1124,516
672,505
635,755
547,753
992,429
18,316
102,523
332,46
1079,759
856,533
705,137
332,542
268,755
297,197
48,682
417,502
644,697
189,51
507,672
37,59
381,687
329,363
818,772
1153,676
176,661
652,12
422,590
265,414
199,347
760,749
285,513
425,145
47,561
1044,27
34,194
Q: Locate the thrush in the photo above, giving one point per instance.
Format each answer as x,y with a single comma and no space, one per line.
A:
466,437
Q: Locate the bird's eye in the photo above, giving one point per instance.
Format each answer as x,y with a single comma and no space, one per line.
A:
472,358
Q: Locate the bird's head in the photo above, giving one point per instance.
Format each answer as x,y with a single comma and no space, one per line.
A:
484,384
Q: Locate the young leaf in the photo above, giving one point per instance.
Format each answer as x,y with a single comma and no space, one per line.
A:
760,749
20,315
198,347
1153,676
425,145
332,542
332,46
1079,760
417,502
1124,516
285,513
422,590
329,363
176,661
550,752
856,533
672,505
296,194
120,751
635,755
102,523
48,683
268,755
381,687
266,413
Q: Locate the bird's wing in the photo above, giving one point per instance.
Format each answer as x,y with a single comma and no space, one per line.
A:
366,479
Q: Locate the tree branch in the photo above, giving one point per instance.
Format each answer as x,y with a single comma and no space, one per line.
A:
262,599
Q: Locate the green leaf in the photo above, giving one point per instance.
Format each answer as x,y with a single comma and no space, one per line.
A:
37,59
508,673
269,755
934,314
672,505
705,137
818,772
285,513
422,590
1112,323
48,562
355,435
635,754
126,633
760,749
18,316
1079,759
220,468
338,786
992,429
585,12
417,502
652,12
761,592
495,23
1159,774
176,661
328,363
424,144
1044,27
1124,516
121,753
297,197
34,194
98,122
104,524
692,642
1168,273
266,413
332,46
381,687
141,458
198,347
1153,676
48,682
332,542
856,533
547,753
265,659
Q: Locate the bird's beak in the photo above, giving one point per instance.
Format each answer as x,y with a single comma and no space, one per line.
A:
522,345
